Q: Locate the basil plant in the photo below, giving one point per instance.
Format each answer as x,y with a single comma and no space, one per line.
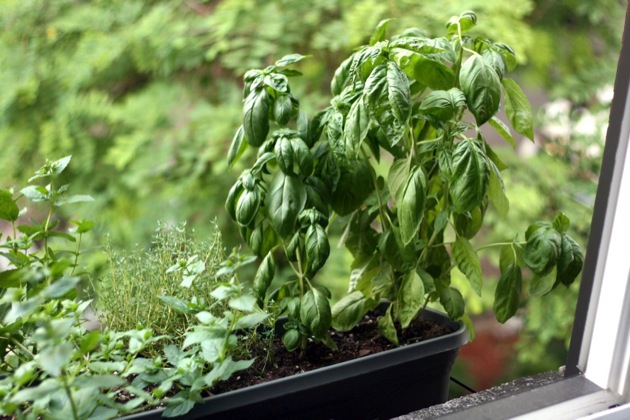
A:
414,105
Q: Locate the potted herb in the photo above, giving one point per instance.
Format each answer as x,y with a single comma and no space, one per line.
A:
414,105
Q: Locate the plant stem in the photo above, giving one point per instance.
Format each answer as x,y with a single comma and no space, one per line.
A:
75,413
499,244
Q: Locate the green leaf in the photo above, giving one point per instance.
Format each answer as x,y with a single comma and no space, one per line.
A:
245,303
291,340
386,326
452,301
410,297
230,202
290,59
177,304
503,130
350,310
380,32
508,293
427,71
494,60
247,207
282,109
542,285
410,206
470,176
442,105
496,191
356,128
397,176
467,20
178,408
341,76
54,358
317,248
256,117
315,312
9,211
237,147
250,320
482,88
543,250
98,381
468,263
264,275
285,200
398,92
62,201
225,369
83,226
353,187
89,342
518,109
61,287
570,262
561,223
375,85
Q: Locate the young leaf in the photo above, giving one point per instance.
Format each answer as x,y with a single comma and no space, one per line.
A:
250,320
518,109
398,92
256,117
375,84
468,262
496,191
482,88
177,407
350,310
410,297
386,326
247,207
353,186
503,130
54,358
542,285
291,340
245,303
285,200
470,176
410,206
282,108
237,147
380,32
9,211
315,312
561,223
290,59
341,76
264,275
508,293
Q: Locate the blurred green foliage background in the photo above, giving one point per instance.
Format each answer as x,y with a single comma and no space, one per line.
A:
146,96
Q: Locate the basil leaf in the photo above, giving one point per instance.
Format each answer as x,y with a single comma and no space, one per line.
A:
561,223
452,301
315,312
496,191
247,207
284,155
542,285
398,174
482,88
494,60
9,211
230,202
290,59
470,176
341,75
256,117
398,92
237,147
353,187
386,326
375,85
282,109
350,310
302,156
518,109
284,202
264,275
503,130
317,248
543,250
380,32
570,262
468,262
410,206
291,340
410,297
356,128
508,293
427,71
442,105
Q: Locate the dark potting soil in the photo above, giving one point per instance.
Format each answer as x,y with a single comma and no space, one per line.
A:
363,340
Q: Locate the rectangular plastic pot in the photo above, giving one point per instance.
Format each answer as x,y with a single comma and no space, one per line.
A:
378,386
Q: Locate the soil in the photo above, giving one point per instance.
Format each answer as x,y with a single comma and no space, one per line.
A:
363,340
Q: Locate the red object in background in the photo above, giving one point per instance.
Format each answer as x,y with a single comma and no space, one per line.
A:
488,355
